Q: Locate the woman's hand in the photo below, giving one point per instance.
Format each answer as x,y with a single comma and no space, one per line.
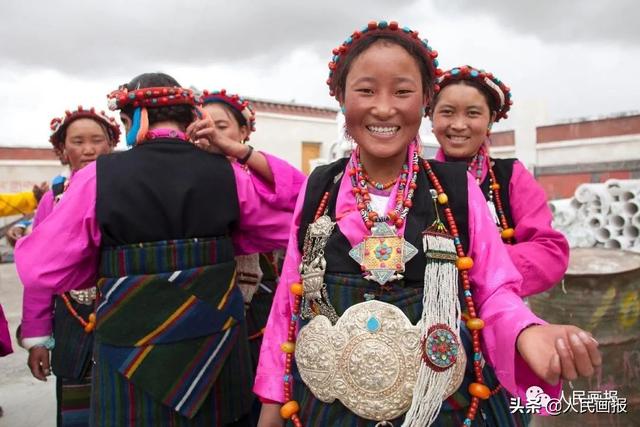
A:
270,415
38,362
16,232
557,352
39,190
204,135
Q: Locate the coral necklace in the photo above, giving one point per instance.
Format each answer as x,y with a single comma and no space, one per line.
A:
383,255
495,200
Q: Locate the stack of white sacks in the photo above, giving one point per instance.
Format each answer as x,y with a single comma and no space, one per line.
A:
606,215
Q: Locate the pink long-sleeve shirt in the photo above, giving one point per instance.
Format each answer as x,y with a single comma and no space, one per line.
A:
45,207
62,252
541,254
495,282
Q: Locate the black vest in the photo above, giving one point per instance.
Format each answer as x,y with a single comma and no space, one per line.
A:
503,169
165,189
453,178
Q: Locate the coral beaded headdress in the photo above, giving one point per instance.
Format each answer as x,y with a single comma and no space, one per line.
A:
59,125
380,28
143,98
234,101
500,92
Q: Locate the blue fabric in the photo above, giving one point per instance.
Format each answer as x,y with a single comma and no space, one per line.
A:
135,127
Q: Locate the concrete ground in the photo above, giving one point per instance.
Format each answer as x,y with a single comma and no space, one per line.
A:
26,402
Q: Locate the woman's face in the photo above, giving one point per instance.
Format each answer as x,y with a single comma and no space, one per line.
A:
84,142
384,100
461,119
226,123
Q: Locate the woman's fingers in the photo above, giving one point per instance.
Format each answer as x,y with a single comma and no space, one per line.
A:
592,348
566,360
39,363
554,371
581,358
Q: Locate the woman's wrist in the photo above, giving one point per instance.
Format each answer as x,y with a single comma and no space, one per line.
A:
243,159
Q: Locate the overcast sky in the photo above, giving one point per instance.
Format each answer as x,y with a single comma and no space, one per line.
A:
570,58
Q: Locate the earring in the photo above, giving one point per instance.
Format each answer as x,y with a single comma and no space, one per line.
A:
343,109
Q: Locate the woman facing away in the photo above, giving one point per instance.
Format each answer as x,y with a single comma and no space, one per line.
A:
397,302
157,227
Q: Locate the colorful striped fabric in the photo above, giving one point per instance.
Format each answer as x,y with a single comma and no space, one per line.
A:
164,256
73,398
71,363
168,332
346,290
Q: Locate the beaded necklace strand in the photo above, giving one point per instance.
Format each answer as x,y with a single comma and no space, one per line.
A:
363,200
88,325
475,168
375,184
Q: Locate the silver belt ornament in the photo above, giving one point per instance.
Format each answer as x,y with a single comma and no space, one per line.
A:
85,296
369,360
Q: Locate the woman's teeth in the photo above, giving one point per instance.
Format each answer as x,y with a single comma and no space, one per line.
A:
386,130
458,138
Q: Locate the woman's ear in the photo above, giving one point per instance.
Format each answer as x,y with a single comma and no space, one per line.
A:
244,133
126,121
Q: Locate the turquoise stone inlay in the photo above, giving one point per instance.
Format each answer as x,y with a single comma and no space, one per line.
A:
373,324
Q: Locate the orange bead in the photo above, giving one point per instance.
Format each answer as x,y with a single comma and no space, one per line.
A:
464,263
443,198
297,289
495,186
475,324
288,347
289,409
89,327
480,391
92,318
507,233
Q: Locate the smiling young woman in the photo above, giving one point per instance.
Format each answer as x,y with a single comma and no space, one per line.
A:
395,288
464,109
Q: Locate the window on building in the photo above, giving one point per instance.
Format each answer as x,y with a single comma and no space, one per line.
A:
310,151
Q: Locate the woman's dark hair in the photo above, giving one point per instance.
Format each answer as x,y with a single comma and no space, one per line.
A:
427,77
235,113
182,114
492,102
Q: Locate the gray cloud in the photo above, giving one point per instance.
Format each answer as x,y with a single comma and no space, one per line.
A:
105,37
560,21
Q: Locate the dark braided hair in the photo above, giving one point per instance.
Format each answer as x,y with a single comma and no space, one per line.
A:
183,114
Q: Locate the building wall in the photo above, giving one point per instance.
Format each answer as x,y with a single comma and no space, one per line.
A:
569,154
283,135
21,168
